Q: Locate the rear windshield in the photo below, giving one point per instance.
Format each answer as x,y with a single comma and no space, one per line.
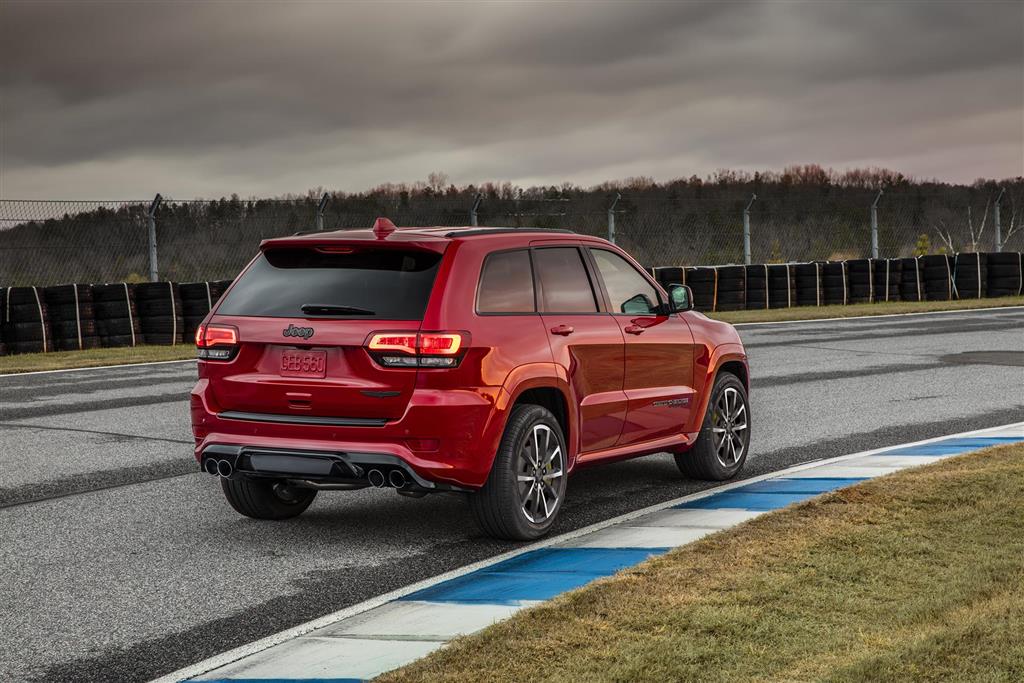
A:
383,283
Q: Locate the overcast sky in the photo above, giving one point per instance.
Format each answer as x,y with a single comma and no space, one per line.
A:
121,100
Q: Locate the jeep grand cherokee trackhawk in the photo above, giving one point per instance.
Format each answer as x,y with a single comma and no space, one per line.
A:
487,361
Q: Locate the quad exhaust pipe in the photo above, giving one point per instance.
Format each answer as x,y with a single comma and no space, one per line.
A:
219,468
395,478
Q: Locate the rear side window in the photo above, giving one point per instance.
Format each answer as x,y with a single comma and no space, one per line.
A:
387,284
564,284
506,284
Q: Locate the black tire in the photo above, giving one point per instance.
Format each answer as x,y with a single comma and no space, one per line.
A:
498,507
257,498
702,461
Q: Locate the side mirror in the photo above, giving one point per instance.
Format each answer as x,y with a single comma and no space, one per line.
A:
680,298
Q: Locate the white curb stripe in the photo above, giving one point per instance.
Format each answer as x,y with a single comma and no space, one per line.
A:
311,658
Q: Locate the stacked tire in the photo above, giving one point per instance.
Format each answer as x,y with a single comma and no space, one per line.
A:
835,287
704,282
861,281
3,302
757,286
911,280
780,286
887,275
732,288
26,321
72,317
808,284
970,275
197,298
1005,273
160,312
669,275
937,277
117,318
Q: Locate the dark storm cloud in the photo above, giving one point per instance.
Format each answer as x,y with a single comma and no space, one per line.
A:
264,98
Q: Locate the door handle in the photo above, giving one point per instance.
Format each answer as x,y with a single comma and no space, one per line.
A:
564,330
634,329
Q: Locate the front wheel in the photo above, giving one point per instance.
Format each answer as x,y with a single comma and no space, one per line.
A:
525,489
721,447
266,499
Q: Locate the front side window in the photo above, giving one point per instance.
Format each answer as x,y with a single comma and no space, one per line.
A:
628,290
506,284
564,285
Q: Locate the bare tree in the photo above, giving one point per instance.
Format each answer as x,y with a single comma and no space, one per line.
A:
974,233
1015,220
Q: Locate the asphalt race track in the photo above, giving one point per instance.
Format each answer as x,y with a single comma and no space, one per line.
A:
120,561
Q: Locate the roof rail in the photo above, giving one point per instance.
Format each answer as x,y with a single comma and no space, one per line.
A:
498,231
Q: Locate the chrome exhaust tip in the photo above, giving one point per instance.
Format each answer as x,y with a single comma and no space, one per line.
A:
397,478
376,478
210,466
224,468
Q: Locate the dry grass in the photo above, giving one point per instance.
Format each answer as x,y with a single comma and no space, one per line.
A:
61,360
917,576
890,308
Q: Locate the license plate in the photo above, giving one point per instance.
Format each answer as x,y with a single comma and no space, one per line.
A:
296,363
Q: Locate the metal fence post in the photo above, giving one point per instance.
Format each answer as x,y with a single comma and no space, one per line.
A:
611,218
320,212
746,230
472,210
998,223
154,271
874,225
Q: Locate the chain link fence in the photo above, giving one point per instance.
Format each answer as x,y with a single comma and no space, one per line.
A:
52,242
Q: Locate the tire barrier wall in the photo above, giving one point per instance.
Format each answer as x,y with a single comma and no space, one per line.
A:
886,278
72,317
26,321
160,312
826,283
1005,274
78,316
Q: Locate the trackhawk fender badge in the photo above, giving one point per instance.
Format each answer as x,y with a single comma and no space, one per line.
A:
292,331
673,402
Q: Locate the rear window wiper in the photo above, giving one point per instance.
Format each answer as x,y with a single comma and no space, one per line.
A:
334,309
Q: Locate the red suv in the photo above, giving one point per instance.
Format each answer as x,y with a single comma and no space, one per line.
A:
487,361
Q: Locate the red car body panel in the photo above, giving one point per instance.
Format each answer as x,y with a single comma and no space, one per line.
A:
631,385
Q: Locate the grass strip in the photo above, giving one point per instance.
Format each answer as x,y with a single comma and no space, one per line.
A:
90,358
917,576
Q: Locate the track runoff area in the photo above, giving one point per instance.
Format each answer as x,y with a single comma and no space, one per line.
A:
112,442
379,635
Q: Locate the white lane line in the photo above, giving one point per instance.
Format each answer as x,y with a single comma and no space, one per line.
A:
958,311
250,649
98,367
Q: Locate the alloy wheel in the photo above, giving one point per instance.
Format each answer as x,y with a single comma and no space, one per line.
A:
728,423
540,473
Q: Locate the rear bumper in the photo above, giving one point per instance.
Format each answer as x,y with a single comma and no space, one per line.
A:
445,440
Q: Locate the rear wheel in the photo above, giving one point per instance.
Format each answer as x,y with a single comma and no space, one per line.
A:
268,499
721,447
525,489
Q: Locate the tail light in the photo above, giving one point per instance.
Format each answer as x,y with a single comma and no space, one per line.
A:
418,349
216,342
